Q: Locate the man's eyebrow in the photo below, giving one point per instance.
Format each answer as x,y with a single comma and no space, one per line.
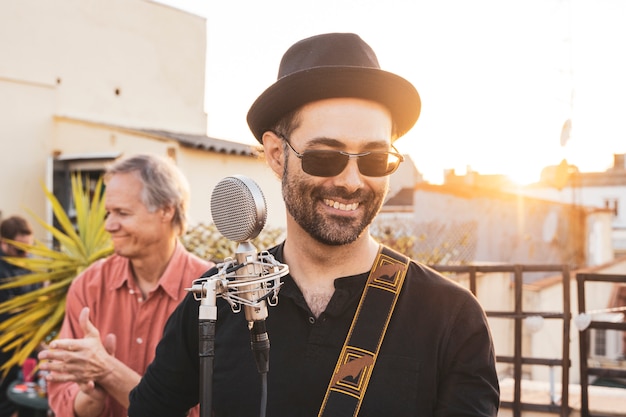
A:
336,143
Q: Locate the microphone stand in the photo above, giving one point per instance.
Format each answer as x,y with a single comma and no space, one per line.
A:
207,319
220,281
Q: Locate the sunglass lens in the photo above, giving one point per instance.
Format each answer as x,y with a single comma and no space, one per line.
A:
323,163
378,164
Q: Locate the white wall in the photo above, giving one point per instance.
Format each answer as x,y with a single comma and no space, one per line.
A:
152,54
68,58
599,247
586,196
591,197
25,136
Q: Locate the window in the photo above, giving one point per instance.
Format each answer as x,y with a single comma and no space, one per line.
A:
599,338
607,343
612,204
91,168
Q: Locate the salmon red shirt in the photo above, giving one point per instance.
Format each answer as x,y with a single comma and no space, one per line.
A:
116,306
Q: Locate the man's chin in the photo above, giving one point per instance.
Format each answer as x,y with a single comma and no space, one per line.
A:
120,252
337,239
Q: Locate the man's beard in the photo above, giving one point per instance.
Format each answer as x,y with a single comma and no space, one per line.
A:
302,202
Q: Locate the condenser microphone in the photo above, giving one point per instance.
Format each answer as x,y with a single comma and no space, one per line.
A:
239,212
238,208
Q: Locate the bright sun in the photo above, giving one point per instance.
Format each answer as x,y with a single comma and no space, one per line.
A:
524,176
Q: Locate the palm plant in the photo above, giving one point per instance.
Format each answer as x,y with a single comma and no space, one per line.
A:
37,316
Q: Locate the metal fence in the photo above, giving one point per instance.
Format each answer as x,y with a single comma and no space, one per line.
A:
518,314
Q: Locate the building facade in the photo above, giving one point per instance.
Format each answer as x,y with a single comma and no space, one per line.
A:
83,83
606,190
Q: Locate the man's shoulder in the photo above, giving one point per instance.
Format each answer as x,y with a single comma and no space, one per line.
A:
5,269
194,261
111,261
192,257
8,270
102,268
426,277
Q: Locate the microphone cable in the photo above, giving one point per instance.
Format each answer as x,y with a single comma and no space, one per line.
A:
260,344
263,395
206,338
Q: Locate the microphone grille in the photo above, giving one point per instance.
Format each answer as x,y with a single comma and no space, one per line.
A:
238,208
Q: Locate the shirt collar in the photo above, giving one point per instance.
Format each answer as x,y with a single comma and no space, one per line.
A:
348,290
172,279
170,282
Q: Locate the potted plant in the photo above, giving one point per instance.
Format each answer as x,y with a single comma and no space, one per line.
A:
37,316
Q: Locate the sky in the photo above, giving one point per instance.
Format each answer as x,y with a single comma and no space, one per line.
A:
498,79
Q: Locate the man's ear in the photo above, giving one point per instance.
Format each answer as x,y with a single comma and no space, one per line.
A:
273,149
167,214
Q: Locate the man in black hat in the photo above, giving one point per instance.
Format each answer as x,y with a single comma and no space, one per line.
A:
359,329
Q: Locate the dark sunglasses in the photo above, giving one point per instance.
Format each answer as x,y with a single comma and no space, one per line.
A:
326,163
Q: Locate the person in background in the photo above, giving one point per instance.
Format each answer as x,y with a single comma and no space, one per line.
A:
18,229
358,329
117,308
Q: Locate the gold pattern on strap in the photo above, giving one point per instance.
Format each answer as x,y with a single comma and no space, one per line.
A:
353,373
388,277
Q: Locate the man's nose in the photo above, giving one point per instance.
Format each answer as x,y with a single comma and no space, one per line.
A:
350,178
110,224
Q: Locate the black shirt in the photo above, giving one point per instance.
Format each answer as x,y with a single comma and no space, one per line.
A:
8,270
437,357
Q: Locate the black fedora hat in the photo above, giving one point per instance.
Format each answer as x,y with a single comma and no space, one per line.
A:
330,66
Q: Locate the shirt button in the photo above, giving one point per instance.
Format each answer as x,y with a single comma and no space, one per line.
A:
139,340
312,320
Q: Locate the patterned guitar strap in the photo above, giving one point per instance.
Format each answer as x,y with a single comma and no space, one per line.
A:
360,350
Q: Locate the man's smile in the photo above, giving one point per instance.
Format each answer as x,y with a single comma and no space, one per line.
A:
341,206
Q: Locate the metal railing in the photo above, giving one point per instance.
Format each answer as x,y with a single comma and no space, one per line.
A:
584,340
518,314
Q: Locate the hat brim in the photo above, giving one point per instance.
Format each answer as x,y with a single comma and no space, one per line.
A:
297,89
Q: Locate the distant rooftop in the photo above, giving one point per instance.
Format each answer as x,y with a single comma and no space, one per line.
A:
190,140
565,174
206,142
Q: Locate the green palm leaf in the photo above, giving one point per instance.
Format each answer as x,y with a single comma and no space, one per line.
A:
37,316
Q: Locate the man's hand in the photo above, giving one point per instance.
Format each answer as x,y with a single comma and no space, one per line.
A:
84,361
